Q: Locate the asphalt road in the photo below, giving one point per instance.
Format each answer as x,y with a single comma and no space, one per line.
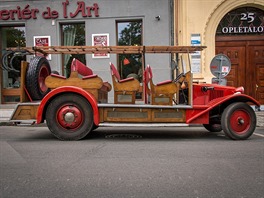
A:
140,162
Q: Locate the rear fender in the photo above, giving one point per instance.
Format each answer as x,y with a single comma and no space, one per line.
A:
64,89
200,113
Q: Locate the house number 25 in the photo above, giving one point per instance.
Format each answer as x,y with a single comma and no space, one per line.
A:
249,17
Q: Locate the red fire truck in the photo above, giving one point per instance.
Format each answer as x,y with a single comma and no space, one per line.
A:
73,107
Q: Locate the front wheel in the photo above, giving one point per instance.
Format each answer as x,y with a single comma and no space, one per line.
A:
69,117
238,121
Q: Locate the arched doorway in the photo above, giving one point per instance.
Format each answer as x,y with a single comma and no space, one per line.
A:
240,35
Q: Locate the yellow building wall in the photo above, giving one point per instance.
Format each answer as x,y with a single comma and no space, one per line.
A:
202,17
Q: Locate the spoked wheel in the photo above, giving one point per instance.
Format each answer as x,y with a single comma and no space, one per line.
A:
211,127
238,121
38,71
69,117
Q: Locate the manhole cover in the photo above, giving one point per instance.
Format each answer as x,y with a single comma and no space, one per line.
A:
123,136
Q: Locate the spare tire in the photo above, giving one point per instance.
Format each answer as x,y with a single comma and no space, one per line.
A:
38,70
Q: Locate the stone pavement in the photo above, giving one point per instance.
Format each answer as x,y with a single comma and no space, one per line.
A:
260,118
7,110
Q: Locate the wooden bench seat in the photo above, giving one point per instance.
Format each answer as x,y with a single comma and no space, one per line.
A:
124,89
89,81
161,93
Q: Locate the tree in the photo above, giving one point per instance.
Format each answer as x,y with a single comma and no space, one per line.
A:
15,37
131,34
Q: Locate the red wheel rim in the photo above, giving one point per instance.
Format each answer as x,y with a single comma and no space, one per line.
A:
43,73
240,121
70,117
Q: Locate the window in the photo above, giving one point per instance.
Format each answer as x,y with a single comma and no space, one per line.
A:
11,36
130,34
72,35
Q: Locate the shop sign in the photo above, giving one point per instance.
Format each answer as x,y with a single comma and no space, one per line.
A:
248,17
42,41
100,40
27,12
196,57
242,21
230,30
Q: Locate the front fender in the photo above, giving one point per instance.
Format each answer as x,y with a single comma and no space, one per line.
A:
67,89
199,111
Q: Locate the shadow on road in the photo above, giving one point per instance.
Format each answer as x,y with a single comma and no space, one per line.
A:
165,133
120,134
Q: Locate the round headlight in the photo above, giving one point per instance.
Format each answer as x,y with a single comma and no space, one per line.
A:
240,89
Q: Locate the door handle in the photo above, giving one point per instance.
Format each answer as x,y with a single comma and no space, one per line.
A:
256,87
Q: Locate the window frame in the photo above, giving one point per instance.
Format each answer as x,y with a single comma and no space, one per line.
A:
120,65
10,92
61,32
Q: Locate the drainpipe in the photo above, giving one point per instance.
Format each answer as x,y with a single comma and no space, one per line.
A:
172,21
172,35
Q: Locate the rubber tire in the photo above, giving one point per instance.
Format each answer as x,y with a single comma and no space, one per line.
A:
37,66
83,106
95,127
213,127
227,121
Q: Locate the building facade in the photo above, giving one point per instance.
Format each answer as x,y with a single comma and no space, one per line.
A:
86,22
233,28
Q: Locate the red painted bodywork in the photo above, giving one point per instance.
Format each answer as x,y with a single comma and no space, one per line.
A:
67,89
41,78
204,101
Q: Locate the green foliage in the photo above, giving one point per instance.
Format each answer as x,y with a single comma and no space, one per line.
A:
130,34
15,37
76,31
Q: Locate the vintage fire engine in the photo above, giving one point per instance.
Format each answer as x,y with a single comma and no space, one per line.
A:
75,106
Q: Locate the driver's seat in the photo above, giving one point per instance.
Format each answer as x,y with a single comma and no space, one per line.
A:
161,93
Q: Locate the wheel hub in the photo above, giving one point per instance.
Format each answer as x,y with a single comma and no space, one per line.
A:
41,79
239,121
69,117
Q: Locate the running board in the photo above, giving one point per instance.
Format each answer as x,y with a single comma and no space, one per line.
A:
25,112
144,106
107,124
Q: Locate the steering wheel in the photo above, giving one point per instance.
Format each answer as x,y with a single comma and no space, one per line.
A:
178,78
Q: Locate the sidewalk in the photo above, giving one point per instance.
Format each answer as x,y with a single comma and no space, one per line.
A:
7,110
260,118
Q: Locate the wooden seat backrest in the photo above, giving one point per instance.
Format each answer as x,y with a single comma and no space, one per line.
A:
147,78
148,72
81,68
114,72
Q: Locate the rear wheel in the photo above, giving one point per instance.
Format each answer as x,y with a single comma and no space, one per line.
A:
238,121
69,117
